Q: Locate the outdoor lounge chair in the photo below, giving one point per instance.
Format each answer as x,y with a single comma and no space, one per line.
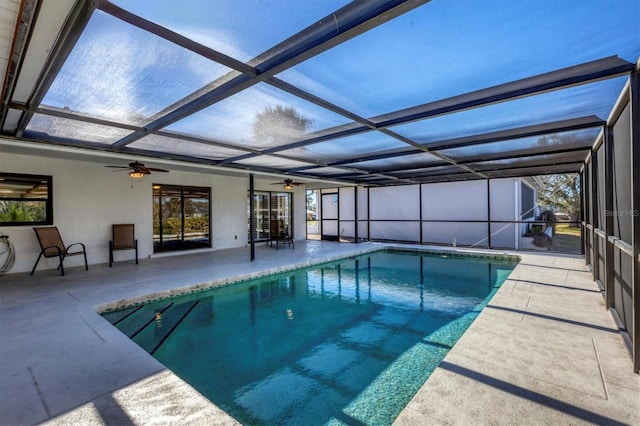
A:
123,239
52,246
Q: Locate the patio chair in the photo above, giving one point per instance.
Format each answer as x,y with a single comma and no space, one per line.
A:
51,245
285,238
123,239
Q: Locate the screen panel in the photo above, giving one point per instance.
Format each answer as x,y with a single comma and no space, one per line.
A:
395,231
399,203
458,233
503,235
455,201
622,214
601,187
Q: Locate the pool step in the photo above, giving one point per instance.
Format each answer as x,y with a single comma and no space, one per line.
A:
136,319
157,329
118,316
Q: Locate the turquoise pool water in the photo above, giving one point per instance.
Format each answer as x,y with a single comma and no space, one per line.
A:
349,342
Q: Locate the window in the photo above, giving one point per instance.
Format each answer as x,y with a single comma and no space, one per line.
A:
527,201
25,200
181,217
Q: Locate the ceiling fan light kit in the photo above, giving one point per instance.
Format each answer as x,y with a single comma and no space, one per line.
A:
137,170
288,184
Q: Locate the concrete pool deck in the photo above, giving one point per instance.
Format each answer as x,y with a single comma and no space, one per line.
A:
545,350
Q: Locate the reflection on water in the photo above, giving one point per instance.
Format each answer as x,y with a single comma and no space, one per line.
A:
349,342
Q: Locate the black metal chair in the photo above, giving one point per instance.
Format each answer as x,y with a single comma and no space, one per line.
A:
124,238
51,245
285,238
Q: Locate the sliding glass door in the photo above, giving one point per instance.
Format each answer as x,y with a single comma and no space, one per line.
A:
272,215
181,217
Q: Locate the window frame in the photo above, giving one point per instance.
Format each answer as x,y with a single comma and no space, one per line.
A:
180,244
269,217
48,211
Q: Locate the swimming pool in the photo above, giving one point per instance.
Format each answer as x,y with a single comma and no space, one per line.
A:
347,342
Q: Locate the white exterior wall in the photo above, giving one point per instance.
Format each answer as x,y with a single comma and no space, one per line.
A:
395,203
448,201
88,198
505,205
401,203
395,212
346,206
522,228
363,213
455,201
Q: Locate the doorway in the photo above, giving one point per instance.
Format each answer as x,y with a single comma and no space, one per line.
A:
330,216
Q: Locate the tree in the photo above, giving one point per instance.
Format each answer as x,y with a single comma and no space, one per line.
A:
561,193
278,125
22,211
312,204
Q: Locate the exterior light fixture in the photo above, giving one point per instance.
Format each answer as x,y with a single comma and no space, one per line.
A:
136,175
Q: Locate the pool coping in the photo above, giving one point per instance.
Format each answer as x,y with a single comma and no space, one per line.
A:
129,302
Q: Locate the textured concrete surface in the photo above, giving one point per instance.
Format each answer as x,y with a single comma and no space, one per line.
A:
545,351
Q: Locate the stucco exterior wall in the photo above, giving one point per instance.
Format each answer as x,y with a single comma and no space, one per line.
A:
88,198
450,211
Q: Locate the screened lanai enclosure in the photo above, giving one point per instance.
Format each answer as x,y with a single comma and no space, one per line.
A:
487,213
611,181
370,93
367,102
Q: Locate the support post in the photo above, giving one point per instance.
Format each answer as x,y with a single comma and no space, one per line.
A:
420,210
355,207
368,214
587,215
488,213
319,211
339,230
608,217
252,219
634,102
595,260
583,229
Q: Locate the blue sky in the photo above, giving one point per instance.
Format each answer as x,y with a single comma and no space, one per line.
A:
438,50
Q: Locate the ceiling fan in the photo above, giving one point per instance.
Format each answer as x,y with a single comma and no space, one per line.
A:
288,184
137,170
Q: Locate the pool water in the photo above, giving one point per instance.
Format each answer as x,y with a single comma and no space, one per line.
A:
349,342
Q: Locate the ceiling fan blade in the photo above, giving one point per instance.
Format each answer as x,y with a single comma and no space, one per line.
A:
118,167
153,169
287,182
